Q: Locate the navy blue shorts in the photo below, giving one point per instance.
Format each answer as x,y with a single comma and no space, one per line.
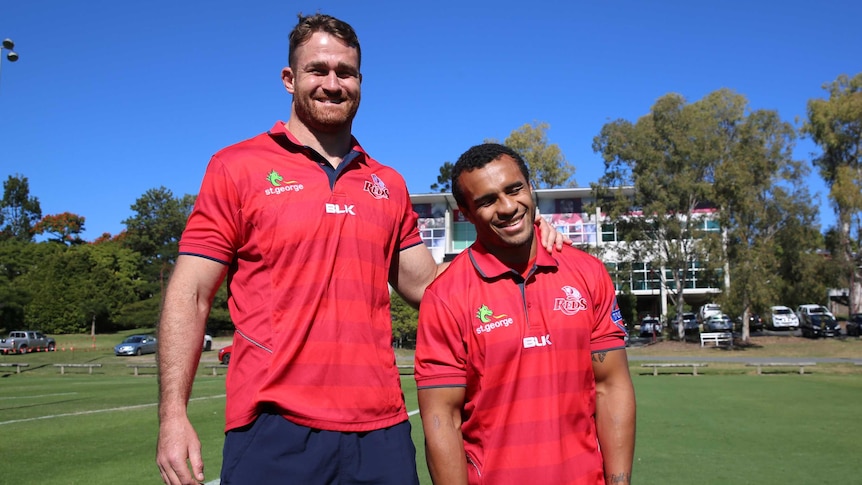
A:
275,450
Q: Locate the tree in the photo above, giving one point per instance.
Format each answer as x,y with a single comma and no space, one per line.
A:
835,124
18,211
17,259
548,165
405,319
758,188
80,288
693,163
154,232
662,167
444,180
65,228
155,228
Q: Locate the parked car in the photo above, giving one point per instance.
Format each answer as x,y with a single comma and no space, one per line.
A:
136,345
718,323
689,321
819,325
707,311
803,311
853,327
650,326
755,323
208,342
224,354
782,317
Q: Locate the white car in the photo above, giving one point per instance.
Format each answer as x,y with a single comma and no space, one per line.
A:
782,317
707,311
208,342
804,310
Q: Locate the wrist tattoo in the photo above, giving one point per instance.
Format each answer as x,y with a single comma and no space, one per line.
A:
625,478
599,356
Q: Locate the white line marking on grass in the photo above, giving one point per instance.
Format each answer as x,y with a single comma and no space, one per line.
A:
40,395
414,412
96,411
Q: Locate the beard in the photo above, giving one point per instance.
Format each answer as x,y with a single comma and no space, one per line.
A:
326,118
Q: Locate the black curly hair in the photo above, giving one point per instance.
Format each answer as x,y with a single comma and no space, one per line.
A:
477,157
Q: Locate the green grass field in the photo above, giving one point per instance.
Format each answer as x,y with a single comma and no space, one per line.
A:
721,427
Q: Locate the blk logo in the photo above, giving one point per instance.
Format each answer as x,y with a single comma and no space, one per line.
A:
340,209
530,342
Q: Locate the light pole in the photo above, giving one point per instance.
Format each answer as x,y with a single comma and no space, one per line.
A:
11,55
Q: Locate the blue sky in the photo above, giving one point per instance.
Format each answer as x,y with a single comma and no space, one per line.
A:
110,99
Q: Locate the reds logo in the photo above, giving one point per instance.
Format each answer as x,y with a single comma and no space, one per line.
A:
376,188
572,303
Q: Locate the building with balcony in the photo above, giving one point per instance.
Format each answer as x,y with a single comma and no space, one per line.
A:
447,232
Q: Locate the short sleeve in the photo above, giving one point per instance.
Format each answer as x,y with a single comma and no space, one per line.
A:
213,228
609,330
440,356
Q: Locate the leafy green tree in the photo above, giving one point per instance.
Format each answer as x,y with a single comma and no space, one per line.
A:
64,228
405,319
155,228
663,168
154,232
714,153
17,258
80,288
548,166
219,320
444,180
19,212
757,186
803,272
835,124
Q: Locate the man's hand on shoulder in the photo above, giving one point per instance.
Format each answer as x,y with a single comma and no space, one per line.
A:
550,238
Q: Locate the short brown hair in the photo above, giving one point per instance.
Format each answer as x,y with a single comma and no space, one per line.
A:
319,22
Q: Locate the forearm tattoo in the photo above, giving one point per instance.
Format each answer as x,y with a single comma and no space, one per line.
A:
599,356
618,478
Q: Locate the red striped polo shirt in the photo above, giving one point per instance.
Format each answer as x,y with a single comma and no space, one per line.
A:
523,352
309,266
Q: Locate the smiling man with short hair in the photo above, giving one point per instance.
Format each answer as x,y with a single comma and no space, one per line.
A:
520,358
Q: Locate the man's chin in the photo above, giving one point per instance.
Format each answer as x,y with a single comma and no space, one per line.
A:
332,122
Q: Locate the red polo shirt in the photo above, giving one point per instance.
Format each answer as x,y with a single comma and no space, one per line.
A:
309,250
523,351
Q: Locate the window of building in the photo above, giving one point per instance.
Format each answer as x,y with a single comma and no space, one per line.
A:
644,277
609,232
463,235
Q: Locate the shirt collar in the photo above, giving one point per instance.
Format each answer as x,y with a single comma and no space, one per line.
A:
283,137
490,267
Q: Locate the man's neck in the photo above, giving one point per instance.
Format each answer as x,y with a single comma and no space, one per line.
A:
332,146
518,258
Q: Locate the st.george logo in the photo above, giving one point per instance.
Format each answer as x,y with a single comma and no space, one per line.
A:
279,186
491,321
572,303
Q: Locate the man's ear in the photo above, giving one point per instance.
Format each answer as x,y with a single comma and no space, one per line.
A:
288,79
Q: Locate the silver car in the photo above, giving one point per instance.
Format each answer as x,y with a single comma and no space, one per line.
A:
718,323
136,345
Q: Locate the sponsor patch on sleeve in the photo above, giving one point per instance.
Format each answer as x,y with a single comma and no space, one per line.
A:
617,317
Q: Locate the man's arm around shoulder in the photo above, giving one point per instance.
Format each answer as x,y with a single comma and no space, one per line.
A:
615,414
181,331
